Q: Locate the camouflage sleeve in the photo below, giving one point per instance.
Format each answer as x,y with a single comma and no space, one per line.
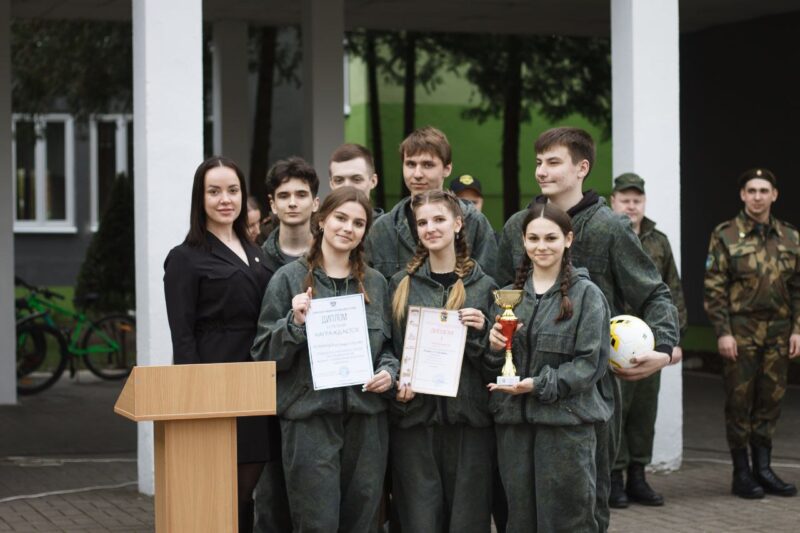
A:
673,281
642,288
485,252
716,284
793,285
512,234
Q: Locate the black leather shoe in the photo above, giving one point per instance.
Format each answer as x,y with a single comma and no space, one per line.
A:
638,490
744,484
617,499
766,477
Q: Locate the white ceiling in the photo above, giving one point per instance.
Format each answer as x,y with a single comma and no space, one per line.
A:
569,17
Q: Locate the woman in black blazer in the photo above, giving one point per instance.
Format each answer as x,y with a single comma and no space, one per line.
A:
214,283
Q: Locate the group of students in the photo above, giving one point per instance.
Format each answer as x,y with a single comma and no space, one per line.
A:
323,461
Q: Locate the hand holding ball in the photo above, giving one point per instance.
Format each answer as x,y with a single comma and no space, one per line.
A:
630,336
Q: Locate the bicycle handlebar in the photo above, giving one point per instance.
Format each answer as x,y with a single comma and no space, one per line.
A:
44,291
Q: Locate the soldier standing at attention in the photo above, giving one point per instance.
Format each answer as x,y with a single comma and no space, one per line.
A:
752,298
640,398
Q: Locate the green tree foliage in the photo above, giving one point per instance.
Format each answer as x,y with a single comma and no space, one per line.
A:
108,269
85,66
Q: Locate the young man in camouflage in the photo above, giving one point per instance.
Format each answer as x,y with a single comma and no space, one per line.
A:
640,398
608,248
292,187
427,161
352,165
752,298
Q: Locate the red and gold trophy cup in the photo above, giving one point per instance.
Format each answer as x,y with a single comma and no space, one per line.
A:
508,299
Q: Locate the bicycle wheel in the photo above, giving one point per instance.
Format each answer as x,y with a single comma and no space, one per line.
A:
109,346
41,357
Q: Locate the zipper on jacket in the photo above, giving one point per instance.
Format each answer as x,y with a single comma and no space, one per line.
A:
531,346
442,400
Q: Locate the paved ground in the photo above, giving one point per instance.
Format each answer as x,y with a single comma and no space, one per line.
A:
67,463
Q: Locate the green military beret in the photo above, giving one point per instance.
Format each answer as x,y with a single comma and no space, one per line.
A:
629,180
761,173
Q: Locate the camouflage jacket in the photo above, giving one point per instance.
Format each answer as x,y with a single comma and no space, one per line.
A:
390,244
471,405
656,244
607,247
279,339
272,250
566,359
752,271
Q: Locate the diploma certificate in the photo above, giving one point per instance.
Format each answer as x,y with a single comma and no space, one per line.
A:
338,342
433,351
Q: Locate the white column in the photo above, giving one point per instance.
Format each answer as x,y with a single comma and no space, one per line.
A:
323,83
168,135
233,123
646,140
8,357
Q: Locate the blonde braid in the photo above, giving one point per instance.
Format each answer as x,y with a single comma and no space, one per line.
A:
400,298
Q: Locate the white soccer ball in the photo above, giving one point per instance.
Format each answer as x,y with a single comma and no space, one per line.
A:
630,336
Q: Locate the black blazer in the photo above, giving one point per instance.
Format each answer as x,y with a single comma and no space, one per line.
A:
213,301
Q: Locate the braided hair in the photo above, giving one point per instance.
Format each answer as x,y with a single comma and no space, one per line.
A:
464,263
334,200
561,219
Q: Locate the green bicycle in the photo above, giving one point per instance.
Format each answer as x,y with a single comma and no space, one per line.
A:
44,350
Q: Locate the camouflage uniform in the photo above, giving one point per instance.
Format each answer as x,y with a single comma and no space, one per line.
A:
271,500
546,440
607,246
390,244
752,291
640,398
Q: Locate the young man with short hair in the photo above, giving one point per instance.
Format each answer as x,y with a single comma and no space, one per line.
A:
392,240
608,248
352,165
640,398
292,187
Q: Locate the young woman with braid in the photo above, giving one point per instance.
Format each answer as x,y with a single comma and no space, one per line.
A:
334,441
442,448
545,424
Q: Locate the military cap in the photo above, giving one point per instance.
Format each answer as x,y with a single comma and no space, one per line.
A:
760,173
464,182
629,180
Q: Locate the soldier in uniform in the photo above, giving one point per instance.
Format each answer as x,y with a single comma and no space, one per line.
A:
752,298
640,398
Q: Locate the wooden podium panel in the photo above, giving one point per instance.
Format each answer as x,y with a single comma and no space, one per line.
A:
195,408
196,478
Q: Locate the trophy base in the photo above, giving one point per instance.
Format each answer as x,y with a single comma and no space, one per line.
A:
507,380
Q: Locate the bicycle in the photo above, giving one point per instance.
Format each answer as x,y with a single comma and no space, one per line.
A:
107,346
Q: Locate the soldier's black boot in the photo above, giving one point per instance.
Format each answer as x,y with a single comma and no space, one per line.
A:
617,499
744,484
766,477
638,490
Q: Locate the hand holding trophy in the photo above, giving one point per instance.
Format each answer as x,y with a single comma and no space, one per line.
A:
508,299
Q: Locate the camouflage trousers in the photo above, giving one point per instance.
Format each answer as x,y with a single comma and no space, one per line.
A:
755,382
549,474
638,417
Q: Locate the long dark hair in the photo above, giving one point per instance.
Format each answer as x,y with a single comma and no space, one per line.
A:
561,219
197,216
358,263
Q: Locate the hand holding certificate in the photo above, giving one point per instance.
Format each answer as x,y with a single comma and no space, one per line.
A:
433,351
338,342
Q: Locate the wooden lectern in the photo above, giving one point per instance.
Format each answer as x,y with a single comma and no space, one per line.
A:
195,408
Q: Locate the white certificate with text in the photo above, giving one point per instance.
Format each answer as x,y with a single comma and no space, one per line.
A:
433,350
338,342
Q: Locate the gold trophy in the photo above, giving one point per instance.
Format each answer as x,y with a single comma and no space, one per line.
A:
508,300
